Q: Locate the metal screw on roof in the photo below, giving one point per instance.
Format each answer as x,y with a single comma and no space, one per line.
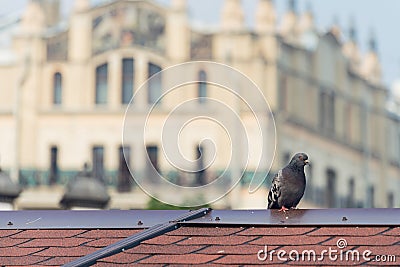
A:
344,218
140,223
217,218
10,223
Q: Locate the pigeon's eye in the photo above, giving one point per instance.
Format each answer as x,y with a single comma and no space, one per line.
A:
301,157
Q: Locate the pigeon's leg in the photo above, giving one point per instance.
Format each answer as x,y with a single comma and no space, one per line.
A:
284,209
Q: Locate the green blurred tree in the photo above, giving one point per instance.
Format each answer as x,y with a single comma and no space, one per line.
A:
154,204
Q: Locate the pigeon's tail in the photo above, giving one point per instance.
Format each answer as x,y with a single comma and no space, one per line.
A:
274,191
272,201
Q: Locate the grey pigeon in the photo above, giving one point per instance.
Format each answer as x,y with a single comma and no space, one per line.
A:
288,184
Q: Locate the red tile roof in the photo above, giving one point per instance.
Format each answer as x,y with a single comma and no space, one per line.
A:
208,244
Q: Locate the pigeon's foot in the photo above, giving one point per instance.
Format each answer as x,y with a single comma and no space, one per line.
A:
284,209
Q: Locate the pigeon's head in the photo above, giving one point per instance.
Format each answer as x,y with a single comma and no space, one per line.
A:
300,160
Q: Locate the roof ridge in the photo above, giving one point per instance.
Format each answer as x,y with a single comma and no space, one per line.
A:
137,238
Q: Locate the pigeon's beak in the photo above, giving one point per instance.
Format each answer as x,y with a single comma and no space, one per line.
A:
307,162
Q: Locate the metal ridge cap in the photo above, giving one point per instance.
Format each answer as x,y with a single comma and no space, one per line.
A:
301,217
141,219
85,219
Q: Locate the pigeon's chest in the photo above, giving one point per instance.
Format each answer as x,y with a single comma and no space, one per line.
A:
293,183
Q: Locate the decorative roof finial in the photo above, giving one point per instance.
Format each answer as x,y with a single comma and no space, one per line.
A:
309,8
81,5
292,6
265,16
372,41
352,30
232,16
180,5
335,28
33,18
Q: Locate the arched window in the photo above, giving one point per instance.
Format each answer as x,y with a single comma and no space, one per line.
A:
98,162
124,177
350,193
128,79
283,93
371,196
390,200
202,86
54,171
331,188
57,89
152,167
155,86
200,172
101,84
327,111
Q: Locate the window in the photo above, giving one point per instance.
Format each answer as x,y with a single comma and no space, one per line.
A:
348,122
283,101
373,131
154,90
322,110
57,89
331,111
152,166
327,111
128,78
101,84
370,196
309,188
202,86
398,142
363,124
331,188
98,162
390,200
53,172
200,172
350,194
124,177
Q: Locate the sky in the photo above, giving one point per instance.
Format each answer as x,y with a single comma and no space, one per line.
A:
380,17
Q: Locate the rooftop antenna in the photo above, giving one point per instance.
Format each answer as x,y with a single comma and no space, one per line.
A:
352,30
372,41
292,6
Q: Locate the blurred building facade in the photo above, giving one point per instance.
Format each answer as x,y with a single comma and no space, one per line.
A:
66,85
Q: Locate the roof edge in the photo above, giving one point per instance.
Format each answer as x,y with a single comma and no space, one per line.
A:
142,219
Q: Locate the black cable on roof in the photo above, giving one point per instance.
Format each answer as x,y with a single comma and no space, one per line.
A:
136,239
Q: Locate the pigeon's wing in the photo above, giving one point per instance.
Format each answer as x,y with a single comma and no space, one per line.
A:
275,191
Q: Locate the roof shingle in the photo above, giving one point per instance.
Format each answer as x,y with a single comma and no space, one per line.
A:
200,244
